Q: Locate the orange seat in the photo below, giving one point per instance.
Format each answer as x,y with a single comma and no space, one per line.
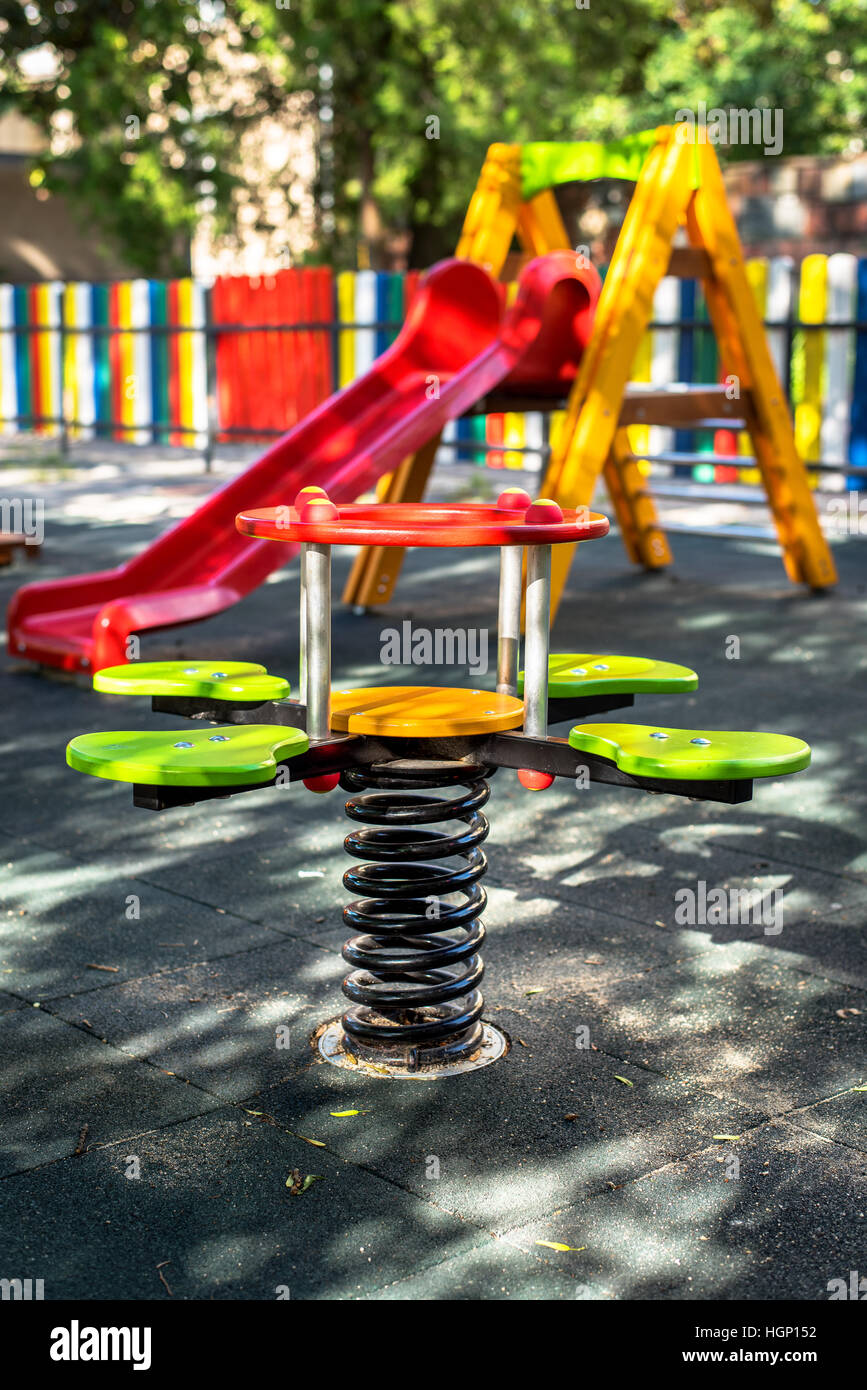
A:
423,711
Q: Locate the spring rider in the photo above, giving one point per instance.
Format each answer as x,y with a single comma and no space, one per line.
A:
416,964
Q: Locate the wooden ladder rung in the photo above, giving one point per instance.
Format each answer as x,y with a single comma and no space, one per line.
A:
681,405
689,263
689,459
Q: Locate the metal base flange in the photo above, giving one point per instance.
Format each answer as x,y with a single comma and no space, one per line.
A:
330,1042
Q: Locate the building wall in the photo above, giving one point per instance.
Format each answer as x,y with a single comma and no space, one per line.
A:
796,207
39,237
800,206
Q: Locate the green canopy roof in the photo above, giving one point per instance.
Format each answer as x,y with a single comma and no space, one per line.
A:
545,164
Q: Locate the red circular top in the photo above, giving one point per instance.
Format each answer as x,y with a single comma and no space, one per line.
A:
419,523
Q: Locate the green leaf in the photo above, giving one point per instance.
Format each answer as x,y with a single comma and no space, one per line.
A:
309,1180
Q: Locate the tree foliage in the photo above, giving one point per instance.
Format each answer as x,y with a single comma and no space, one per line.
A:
416,89
131,95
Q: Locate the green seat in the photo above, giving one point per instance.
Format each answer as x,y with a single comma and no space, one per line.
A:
236,681
234,755
593,674
691,755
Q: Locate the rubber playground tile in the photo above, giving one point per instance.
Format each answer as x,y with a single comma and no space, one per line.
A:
738,1023
833,944
232,1025
263,855
70,928
53,697
638,875
635,870
546,944
8,1003
494,1272
775,1215
842,1118
63,1090
529,1133
211,1213
814,821
278,870
64,809
521,923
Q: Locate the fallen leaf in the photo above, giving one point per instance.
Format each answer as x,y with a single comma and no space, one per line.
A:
558,1245
625,1080
570,1117
339,1114
318,1142
310,1179
730,1138
299,1182
528,992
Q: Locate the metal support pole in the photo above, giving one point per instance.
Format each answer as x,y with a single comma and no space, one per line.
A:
317,564
509,629
537,640
302,633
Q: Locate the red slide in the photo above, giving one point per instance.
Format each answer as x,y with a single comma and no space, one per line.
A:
457,344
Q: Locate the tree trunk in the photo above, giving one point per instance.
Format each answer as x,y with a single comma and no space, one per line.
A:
371,230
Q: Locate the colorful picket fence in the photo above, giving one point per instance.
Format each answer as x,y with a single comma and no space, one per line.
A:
181,363
268,379
125,361
823,368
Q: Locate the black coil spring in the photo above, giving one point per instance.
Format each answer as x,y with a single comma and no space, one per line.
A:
417,967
